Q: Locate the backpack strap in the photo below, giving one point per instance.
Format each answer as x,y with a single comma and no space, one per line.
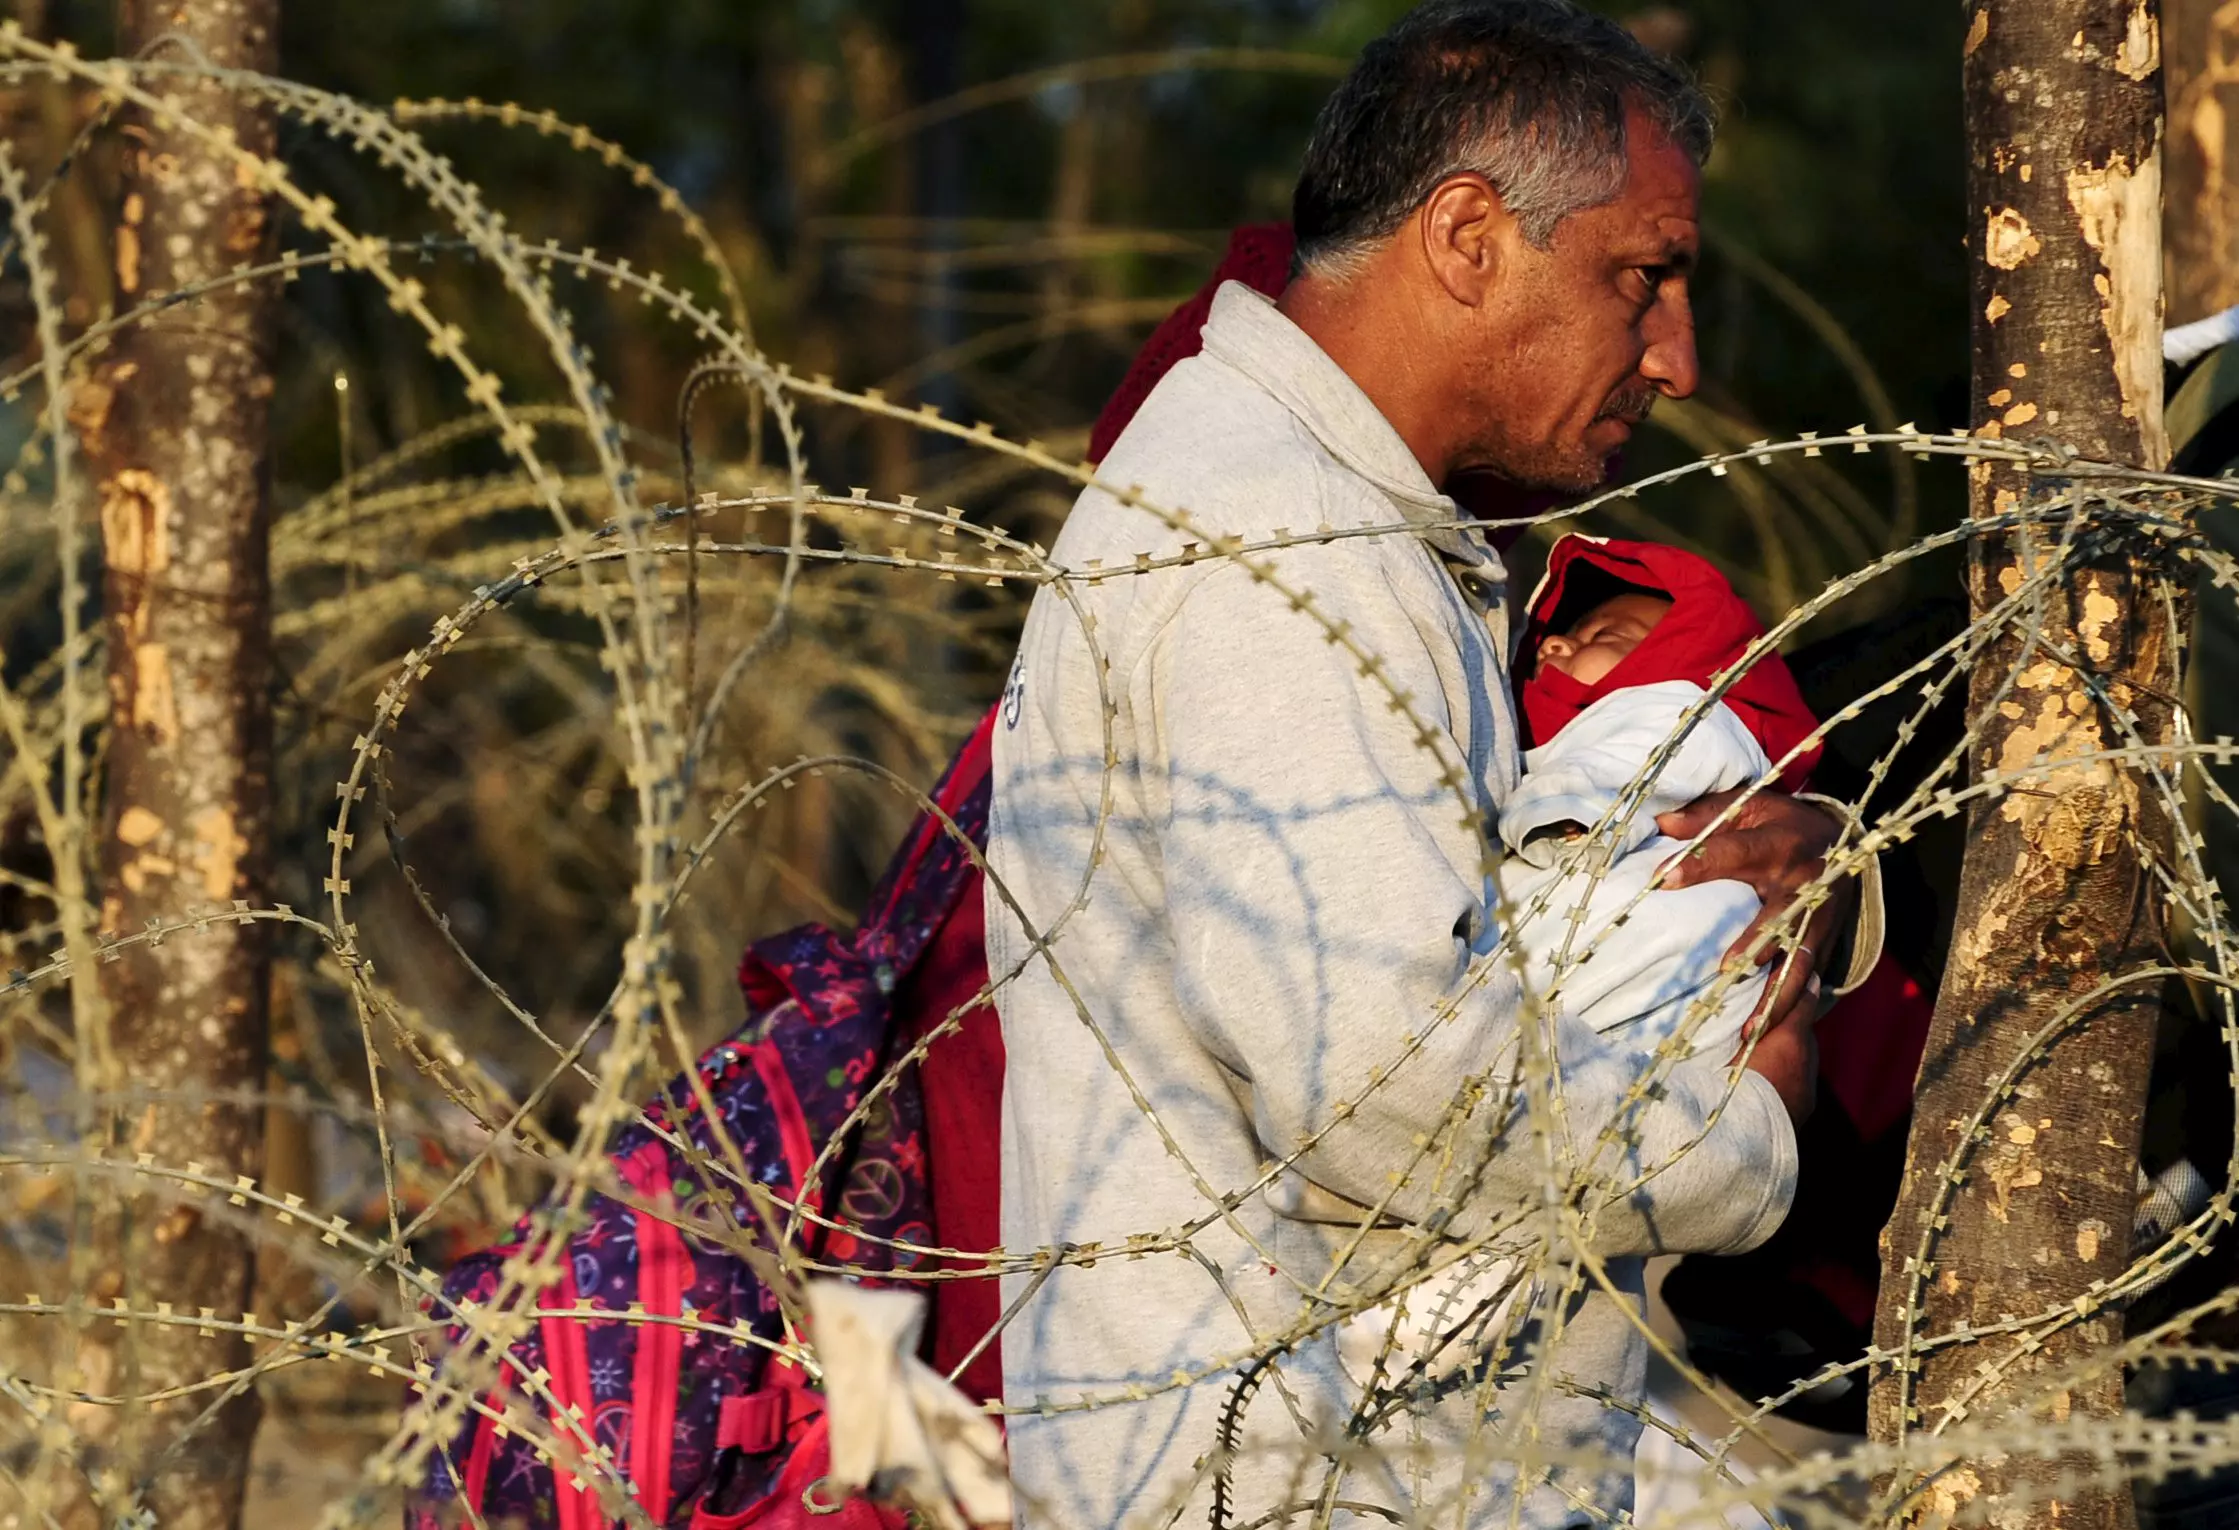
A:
570,1368
664,1271
484,1453
785,1107
760,1422
921,874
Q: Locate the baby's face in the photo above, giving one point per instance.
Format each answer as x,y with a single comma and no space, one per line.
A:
1602,637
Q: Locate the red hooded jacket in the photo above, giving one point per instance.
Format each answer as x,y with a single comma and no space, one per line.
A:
1707,630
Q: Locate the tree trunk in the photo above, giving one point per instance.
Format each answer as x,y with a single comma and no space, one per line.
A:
176,425
2200,61
933,37
2063,107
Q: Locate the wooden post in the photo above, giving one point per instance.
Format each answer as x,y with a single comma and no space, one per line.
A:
175,425
2063,110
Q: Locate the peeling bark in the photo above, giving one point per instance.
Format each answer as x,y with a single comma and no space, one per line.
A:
2064,128
175,425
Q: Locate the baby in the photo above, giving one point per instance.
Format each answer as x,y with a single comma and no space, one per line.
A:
1603,636
1620,643
1623,639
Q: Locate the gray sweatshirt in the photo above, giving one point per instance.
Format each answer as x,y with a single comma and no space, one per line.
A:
1271,941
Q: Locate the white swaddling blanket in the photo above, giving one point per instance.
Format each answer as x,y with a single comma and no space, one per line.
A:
1653,956
1620,959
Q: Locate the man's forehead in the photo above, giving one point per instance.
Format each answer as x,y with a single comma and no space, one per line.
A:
1666,232
1662,195
1644,222
1670,234
1663,198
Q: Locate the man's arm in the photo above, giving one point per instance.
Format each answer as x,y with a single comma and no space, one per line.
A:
1325,897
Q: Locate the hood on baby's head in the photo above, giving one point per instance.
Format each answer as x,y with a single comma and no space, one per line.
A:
1708,628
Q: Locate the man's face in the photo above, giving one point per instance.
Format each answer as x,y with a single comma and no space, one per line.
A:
1577,341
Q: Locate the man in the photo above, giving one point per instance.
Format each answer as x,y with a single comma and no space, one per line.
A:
1256,1016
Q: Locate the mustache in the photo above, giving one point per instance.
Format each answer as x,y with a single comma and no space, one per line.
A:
1630,405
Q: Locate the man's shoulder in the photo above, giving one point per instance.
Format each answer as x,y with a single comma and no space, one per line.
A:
1208,430
1214,446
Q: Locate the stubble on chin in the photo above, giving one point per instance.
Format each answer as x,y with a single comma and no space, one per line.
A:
1548,466
1579,471
1585,475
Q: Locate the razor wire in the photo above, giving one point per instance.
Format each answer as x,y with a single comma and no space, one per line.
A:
586,613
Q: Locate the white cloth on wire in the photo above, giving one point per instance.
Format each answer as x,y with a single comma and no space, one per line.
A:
2189,342
1670,1480
901,1431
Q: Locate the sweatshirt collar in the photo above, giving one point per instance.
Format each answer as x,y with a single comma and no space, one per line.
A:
1248,332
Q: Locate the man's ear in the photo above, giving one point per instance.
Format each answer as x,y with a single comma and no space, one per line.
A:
1465,233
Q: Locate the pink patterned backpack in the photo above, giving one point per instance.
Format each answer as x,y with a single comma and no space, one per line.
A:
706,1430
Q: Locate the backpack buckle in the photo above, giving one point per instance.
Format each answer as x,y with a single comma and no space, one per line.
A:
759,1422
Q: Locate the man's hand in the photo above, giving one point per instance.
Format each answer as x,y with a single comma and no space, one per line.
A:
1786,1052
1778,846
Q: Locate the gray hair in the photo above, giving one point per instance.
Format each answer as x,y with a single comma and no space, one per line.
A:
1530,94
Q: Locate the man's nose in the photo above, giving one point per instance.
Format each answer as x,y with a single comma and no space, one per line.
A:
1668,364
